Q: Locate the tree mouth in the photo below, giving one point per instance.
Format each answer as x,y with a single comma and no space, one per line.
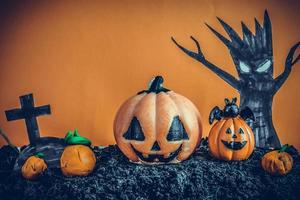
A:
234,145
155,158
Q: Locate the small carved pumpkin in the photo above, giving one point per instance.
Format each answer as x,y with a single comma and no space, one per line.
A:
277,162
33,167
157,126
78,159
231,138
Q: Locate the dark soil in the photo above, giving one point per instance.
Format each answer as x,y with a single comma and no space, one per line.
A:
8,156
200,177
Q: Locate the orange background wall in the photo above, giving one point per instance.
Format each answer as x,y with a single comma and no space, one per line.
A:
86,57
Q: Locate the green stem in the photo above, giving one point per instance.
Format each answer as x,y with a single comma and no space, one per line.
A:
284,148
73,137
40,155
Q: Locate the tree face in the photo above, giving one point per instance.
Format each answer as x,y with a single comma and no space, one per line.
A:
255,73
260,67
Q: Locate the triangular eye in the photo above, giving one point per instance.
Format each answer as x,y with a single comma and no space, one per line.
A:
241,131
228,131
134,131
177,131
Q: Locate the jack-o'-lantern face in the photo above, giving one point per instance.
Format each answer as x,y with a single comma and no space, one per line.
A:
231,139
157,126
172,141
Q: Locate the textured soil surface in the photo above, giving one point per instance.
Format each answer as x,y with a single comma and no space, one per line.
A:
200,177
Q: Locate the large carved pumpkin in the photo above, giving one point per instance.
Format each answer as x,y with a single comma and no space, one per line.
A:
231,138
157,126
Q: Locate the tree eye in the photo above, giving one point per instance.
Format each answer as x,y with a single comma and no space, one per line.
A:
244,67
177,131
241,131
228,131
264,66
134,131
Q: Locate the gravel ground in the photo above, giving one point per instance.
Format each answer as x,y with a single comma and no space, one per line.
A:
200,177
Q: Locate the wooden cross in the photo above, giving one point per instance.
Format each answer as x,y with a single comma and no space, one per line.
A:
29,113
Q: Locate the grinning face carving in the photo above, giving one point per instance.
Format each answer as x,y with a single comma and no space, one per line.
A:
232,143
176,135
231,139
157,126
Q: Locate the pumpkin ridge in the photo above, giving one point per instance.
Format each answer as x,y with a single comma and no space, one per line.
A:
132,114
162,131
137,111
231,123
124,108
236,124
177,98
218,135
177,109
191,104
284,165
33,167
79,157
156,108
174,96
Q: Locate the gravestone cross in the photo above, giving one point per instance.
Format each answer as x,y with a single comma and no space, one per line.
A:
29,113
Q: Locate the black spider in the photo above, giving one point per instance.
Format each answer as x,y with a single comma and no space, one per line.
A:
230,110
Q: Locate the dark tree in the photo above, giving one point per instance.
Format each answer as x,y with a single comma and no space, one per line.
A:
253,59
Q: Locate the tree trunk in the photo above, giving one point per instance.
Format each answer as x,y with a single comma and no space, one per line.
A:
261,105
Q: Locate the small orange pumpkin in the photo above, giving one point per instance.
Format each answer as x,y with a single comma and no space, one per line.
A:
230,138
33,167
277,162
157,126
78,159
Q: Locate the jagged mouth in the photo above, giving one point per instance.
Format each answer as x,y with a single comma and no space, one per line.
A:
234,145
154,158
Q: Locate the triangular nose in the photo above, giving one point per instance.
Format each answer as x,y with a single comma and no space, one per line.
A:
155,147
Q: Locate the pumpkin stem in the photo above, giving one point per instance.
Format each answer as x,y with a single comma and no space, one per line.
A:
40,155
284,148
73,137
156,84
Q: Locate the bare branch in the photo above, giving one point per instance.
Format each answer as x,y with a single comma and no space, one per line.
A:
231,80
296,60
198,46
6,138
288,67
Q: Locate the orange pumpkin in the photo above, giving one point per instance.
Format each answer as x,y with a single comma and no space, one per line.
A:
277,162
231,138
33,167
157,126
78,159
